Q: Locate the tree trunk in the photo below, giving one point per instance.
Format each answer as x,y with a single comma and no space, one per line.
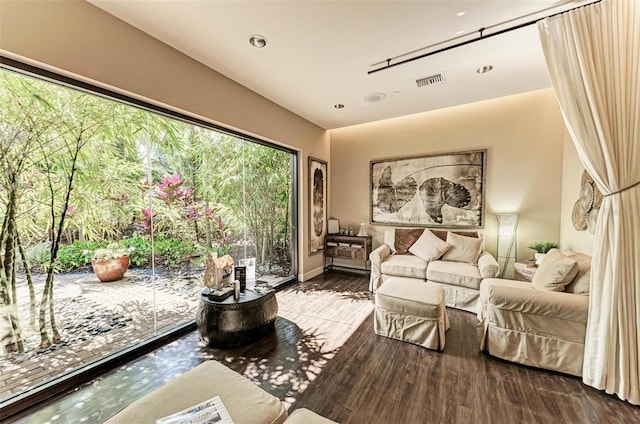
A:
32,293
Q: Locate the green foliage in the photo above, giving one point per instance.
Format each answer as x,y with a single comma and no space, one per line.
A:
171,252
76,255
544,246
141,254
38,255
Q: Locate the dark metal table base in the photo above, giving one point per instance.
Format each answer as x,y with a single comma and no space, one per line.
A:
233,323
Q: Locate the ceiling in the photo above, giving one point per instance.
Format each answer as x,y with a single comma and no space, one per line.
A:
319,53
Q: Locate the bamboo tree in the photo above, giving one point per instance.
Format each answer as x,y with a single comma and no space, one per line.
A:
32,293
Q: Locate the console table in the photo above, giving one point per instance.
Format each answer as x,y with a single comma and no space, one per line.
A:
355,248
233,323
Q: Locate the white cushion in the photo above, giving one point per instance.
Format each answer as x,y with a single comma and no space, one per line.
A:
429,247
463,249
404,266
555,272
454,273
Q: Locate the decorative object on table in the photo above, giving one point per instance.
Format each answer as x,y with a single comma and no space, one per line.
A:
333,226
585,211
111,263
236,289
542,248
362,232
507,251
240,274
317,204
524,271
445,190
217,273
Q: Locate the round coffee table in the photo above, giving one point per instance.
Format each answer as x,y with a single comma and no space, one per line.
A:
233,323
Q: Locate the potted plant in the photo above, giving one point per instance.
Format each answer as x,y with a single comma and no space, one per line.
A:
110,263
542,248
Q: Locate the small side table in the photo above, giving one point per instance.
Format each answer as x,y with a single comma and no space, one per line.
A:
524,272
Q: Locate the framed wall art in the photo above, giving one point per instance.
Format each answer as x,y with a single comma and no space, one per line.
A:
444,190
317,204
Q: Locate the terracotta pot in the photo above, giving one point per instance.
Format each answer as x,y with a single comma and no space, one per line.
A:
110,269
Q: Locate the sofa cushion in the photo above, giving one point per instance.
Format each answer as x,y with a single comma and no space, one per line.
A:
429,247
390,239
582,280
463,249
245,401
404,266
442,235
555,272
405,239
454,273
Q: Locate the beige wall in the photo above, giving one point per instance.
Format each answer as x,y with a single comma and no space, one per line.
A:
80,40
523,135
570,238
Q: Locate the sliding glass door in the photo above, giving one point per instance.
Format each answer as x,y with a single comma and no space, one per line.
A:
87,179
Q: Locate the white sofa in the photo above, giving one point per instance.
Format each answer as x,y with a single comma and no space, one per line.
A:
543,323
453,260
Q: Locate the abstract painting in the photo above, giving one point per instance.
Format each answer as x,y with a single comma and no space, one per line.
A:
317,204
443,190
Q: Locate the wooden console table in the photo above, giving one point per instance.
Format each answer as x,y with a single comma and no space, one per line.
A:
355,248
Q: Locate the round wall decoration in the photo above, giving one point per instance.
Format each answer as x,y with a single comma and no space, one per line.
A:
578,217
586,178
586,197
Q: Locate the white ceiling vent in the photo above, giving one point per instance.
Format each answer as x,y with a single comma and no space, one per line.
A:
436,79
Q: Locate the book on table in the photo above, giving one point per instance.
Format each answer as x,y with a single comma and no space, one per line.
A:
209,411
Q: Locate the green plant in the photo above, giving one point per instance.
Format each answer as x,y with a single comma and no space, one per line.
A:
113,250
544,246
38,255
75,255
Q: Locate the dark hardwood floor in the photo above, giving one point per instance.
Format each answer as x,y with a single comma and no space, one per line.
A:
325,357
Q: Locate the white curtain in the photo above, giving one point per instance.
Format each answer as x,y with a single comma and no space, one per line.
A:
593,58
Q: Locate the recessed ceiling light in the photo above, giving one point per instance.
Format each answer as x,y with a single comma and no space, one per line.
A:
257,41
374,98
461,13
484,69
459,32
339,106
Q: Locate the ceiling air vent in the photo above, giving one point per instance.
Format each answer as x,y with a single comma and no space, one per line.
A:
432,80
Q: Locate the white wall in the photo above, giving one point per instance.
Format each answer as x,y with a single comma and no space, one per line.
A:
523,135
77,39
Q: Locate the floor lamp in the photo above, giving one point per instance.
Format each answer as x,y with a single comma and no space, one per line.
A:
507,227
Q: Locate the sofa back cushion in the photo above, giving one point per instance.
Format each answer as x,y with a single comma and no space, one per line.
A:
429,247
442,234
463,249
405,239
582,280
555,272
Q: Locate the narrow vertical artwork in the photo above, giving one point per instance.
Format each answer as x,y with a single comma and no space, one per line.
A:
317,204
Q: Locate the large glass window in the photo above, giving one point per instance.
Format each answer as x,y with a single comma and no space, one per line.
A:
86,178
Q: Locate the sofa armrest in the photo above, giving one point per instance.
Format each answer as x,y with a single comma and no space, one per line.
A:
488,266
378,255
520,296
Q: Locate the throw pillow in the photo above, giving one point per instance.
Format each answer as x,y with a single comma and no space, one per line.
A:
429,247
555,272
442,235
405,239
582,280
463,249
